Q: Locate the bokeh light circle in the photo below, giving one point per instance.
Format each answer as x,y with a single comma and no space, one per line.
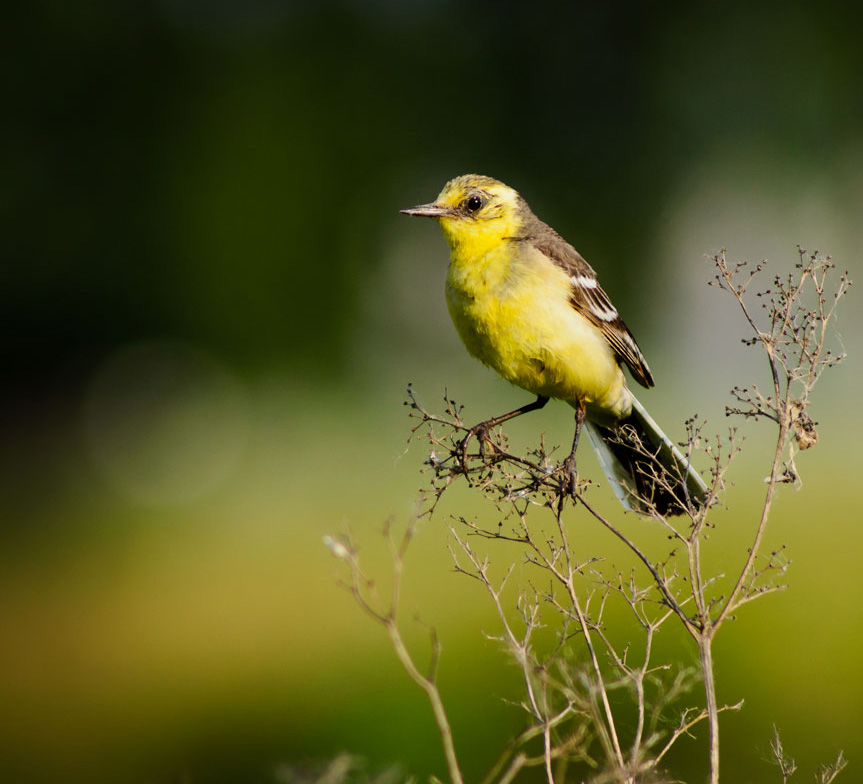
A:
165,422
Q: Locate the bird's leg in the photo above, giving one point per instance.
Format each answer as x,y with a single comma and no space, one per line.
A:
481,430
570,474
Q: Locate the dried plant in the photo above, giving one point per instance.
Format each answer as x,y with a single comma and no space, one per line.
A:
788,767
578,726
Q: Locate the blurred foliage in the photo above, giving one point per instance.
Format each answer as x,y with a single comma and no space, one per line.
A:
199,207
224,171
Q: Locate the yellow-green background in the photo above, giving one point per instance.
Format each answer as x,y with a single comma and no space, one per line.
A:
211,309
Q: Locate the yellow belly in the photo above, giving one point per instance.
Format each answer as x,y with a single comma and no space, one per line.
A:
512,311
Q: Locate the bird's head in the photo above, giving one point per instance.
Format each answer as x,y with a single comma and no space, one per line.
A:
475,211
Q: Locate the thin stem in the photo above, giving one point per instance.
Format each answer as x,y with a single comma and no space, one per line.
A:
670,601
519,647
684,728
705,649
640,696
573,595
693,549
734,597
430,688
514,767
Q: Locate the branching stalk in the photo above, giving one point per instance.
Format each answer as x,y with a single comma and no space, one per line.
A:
572,720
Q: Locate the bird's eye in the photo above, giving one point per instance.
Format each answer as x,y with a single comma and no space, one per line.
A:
473,203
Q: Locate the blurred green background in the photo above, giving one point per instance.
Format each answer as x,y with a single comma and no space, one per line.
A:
212,309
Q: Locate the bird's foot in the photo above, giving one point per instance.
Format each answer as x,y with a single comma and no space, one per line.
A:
480,432
570,477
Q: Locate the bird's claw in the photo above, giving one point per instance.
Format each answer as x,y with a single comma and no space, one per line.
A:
479,431
570,477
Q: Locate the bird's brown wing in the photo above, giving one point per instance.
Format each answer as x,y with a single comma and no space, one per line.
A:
588,298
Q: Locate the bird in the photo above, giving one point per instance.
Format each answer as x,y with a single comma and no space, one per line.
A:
527,304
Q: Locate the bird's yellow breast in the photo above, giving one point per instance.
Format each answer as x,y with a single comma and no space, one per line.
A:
510,305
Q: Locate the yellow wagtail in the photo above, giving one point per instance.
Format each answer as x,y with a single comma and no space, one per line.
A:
529,306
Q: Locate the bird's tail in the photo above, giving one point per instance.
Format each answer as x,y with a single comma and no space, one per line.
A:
647,472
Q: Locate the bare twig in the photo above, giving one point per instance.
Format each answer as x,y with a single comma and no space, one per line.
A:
363,591
572,690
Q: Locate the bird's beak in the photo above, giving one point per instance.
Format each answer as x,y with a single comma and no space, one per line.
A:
429,210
